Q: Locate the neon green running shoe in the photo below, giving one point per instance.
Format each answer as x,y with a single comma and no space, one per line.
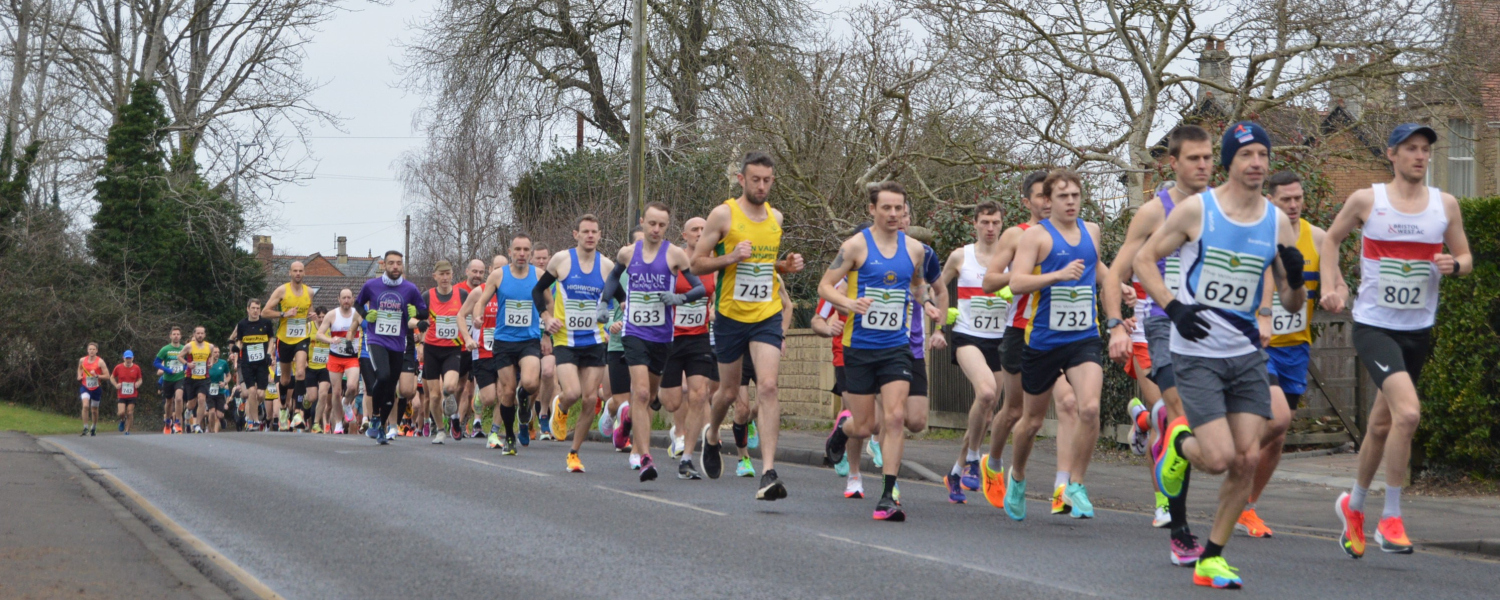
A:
494,441
745,469
1214,572
1171,470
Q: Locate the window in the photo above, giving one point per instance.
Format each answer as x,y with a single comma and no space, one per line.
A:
1460,158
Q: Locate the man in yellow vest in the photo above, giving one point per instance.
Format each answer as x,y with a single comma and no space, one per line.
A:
291,303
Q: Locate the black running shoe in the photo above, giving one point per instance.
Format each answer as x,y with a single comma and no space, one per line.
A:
713,463
888,510
770,487
455,428
648,468
837,441
685,470
655,404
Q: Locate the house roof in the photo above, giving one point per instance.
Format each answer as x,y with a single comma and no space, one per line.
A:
1287,125
316,264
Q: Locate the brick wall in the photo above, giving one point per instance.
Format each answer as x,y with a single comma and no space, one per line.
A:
805,378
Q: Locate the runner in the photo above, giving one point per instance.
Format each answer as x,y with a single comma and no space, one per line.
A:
1290,349
1062,337
692,360
743,239
976,343
220,380
90,368
1018,318
443,345
127,379
169,370
645,274
577,338
196,357
292,304
511,347
1190,153
1137,367
338,329
547,386
474,276
614,424
318,383
742,422
384,305
1229,236
407,402
1404,227
253,334
884,271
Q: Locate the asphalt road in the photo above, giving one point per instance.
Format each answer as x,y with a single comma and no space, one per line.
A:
317,516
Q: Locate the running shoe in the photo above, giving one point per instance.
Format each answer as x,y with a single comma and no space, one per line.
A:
85,432
621,431
544,435
770,487
166,429
1060,500
455,428
872,448
392,433
349,414
297,422
450,405
648,468
888,510
955,490
176,427
1251,524
1015,497
1352,538
1078,497
494,441
525,434
1140,434
1161,518
284,418
834,444
896,493
559,423
685,470
745,468
678,447
317,428
374,431
575,465
753,436
122,426
970,479
338,429
1390,533
841,468
478,428
854,488
364,426
993,482
1214,572
1171,469
510,445
438,439
1185,548
606,423
635,462
197,429
713,463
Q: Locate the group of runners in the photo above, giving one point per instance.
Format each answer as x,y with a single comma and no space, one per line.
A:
1220,282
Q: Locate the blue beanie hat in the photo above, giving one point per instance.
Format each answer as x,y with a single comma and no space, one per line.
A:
1238,135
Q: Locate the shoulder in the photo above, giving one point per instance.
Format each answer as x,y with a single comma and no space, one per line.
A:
956,257
1450,204
776,213
1149,214
1036,234
625,252
720,213
1093,230
1363,198
1318,233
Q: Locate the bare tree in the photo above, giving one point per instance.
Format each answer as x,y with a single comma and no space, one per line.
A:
458,191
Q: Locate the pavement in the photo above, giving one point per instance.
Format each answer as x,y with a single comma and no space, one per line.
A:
318,516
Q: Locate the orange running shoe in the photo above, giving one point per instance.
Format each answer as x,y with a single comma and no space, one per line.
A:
1391,535
166,429
176,428
1352,538
1251,524
575,465
993,482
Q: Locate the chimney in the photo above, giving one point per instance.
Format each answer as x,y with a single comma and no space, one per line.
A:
1213,65
343,257
1348,91
263,249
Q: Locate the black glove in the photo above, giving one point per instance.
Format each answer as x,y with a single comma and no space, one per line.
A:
421,326
1291,260
1189,324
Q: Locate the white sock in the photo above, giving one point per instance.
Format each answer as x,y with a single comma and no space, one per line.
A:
995,464
1357,498
958,467
1062,479
1392,501
974,455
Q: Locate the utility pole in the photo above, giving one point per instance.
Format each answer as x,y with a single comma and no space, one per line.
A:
580,132
637,115
407,251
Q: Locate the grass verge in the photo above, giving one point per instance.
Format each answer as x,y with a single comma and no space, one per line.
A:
38,422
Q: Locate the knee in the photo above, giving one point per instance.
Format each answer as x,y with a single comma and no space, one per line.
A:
1405,418
1276,429
985,395
1067,406
765,391
916,422
1088,412
895,419
1215,463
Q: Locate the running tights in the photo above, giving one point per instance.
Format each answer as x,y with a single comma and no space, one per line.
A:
385,368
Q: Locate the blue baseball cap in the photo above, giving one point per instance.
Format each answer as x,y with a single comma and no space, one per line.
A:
129,354
1406,130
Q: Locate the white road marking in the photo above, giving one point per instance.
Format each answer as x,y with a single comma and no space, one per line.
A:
1032,580
526,471
654,499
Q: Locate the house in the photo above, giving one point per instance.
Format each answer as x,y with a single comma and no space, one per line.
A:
324,275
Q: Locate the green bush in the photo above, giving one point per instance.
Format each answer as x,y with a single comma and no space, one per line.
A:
1460,386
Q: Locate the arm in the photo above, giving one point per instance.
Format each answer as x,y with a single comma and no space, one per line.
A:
997,275
269,310
1288,277
704,262
1458,261
1109,291
361,300
1034,244
950,271
541,299
787,308
1172,234
325,327
419,301
792,262
1330,276
849,253
612,289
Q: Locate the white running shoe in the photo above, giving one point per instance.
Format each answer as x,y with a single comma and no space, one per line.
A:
679,445
606,423
854,488
338,429
392,433
635,462
438,438
1162,518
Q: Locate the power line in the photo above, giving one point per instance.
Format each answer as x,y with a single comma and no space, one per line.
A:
344,223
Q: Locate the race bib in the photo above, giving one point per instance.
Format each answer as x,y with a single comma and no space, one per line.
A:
296,328
1229,280
578,315
447,327
1404,284
987,313
518,313
213,389
127,388
489,338
255,352
693,314
1283,322
271,388
752,281
887,310
174,366
1072,307
91,382
199,369
646,309
320,355
387,323
1173,273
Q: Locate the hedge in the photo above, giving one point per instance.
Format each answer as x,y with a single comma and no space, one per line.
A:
1460,386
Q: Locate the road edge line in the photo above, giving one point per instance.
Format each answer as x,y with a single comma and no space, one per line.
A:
174,534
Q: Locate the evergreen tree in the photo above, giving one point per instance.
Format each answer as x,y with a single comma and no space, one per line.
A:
134,231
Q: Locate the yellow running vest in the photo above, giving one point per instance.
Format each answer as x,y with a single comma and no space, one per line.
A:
302,323
749,291
1299,324
200,366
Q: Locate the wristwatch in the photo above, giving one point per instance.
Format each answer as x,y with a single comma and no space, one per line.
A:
1112,323
1265,311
